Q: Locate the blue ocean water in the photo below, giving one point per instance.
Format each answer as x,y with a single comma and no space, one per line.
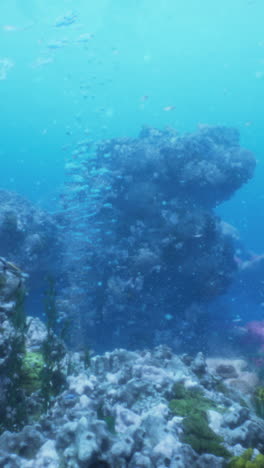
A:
73,70
105,68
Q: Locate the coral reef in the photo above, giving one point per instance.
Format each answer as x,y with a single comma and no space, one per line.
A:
119,413
142,244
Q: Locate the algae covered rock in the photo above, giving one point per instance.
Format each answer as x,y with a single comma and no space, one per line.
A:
201,437
31,371
193,405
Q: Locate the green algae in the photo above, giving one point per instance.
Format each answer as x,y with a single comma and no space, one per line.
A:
193,405
186,401
31,371
198,434
245,460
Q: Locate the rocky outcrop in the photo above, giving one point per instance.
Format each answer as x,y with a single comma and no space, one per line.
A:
28,237
142,245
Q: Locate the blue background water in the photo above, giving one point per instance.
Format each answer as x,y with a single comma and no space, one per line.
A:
203,58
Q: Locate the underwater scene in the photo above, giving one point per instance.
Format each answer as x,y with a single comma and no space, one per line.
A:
131,234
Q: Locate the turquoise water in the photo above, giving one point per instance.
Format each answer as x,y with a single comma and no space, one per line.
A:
121,64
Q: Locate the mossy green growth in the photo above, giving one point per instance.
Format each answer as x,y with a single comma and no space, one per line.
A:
201,437
31,371
186,401
185,406
245,460
192,405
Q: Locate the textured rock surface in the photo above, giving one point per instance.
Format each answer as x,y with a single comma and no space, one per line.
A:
234,372
117,414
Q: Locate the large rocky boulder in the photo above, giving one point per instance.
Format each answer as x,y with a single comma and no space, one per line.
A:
142,244
28,235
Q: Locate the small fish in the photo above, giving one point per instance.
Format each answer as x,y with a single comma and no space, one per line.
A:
57,44
168,108
9,28
69,396
168,317
5,65
144,98
40,61
237,319
67,20
85,37
12,27
65,147
202,126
